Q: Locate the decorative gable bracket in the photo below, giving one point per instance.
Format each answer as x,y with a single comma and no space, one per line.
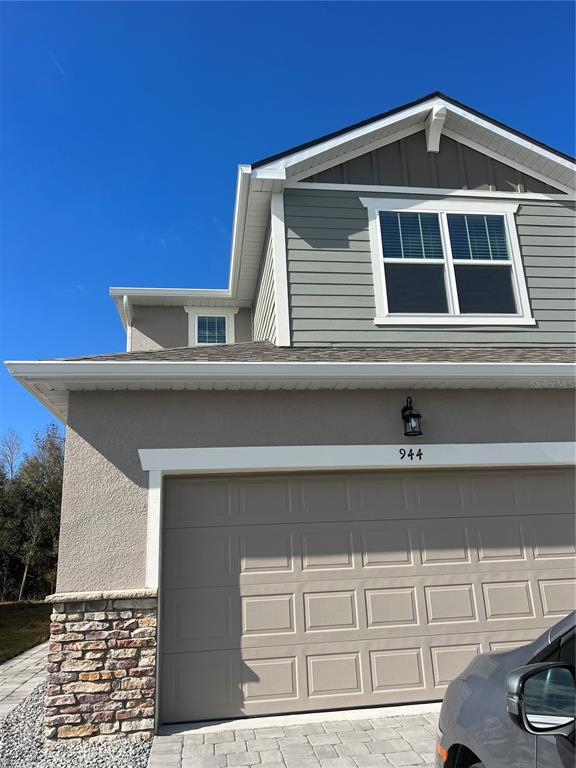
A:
433,127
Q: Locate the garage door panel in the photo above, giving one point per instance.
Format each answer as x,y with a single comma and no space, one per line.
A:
295,613
444,544
267,551
558,596
218,501
200,685
553,536
200,619
196,502
300,592
544,490
260,554
200,556
385,545
217,684
498,539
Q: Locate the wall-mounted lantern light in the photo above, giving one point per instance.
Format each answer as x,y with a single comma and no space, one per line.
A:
411,419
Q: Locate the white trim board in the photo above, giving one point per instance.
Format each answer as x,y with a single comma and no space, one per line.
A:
312,458
430,191
280,266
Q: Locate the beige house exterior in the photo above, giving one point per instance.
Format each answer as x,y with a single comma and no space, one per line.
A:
247,528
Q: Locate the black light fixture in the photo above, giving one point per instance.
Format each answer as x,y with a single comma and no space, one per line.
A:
411,419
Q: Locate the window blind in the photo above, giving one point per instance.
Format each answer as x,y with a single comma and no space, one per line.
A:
411,235
474,236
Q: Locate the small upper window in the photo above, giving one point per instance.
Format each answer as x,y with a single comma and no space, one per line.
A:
210,325
211,329
446,266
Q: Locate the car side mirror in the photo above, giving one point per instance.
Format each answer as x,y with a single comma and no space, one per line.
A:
541,698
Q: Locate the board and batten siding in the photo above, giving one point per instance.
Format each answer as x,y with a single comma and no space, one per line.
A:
331,287
407,163
265,302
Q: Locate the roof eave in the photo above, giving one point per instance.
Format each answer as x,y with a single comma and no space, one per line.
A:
42,378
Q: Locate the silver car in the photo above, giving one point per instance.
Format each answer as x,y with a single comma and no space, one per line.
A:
514,709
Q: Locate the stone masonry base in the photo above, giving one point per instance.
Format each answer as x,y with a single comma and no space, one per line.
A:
102,669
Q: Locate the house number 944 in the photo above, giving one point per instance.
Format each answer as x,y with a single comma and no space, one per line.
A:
410,455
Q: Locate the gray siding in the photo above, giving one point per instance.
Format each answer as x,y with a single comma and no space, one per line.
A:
265,302
407,163
331,289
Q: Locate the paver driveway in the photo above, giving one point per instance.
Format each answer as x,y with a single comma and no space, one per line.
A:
406,740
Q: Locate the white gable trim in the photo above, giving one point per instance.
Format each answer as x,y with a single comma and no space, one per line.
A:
338,141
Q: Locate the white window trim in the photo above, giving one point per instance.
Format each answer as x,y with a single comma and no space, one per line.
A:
312,458
195,312
500,208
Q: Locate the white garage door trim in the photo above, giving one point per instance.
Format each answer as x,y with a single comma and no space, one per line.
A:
298,458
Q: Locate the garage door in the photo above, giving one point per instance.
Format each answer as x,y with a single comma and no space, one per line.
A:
303,592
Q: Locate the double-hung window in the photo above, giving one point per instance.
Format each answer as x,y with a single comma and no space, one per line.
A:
447,263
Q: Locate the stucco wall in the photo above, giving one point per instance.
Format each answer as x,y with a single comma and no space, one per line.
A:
166,327
102,542
159,328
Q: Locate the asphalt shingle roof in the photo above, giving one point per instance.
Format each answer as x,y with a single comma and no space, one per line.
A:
265,352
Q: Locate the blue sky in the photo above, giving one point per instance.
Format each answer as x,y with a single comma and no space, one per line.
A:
122,124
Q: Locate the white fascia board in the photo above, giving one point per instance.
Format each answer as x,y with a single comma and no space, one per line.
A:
387,374
239,225
296,458
508,135
208,293
305,154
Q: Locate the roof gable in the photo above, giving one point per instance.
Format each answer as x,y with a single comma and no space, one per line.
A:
437,114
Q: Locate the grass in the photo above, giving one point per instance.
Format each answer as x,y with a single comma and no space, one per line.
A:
22,626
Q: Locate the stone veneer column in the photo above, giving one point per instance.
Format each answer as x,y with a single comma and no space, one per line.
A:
102,665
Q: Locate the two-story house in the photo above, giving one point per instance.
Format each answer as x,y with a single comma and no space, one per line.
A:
336,481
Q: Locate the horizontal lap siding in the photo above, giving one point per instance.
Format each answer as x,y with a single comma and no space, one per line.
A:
265,304
332,291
